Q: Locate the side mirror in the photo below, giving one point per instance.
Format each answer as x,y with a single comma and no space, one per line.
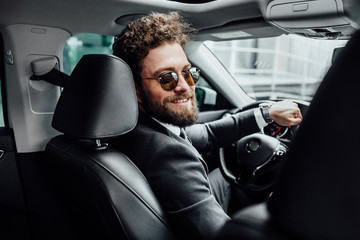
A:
206,98
336,53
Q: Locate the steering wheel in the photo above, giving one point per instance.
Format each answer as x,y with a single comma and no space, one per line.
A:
259,158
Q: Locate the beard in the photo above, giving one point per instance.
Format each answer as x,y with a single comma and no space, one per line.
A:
181,116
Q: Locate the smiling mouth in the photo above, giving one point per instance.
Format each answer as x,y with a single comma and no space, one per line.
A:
181,100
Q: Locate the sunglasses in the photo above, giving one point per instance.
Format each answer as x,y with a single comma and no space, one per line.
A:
168,81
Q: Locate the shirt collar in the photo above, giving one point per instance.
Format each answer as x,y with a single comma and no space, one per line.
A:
172,128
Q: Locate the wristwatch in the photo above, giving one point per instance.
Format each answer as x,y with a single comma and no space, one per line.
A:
264,108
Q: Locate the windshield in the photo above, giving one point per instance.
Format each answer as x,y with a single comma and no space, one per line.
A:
288,66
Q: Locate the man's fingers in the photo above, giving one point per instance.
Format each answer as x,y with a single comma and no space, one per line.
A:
294,121
297,114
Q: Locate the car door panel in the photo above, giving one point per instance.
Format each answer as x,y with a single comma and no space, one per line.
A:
13,219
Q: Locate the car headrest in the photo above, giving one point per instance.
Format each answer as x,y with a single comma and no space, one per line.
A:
318,194
98,100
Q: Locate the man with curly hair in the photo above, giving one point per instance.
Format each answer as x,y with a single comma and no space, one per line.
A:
196,202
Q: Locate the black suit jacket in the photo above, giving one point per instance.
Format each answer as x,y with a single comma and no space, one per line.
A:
178,174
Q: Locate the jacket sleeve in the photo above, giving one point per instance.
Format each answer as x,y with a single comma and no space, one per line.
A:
222,132
180,182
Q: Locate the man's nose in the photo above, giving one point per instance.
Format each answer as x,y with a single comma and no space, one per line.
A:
182,85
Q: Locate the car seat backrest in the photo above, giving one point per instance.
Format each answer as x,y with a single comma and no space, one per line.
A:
318,193
102,192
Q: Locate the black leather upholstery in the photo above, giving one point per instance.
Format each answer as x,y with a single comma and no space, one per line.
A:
317,195
252,223
102,192
98,100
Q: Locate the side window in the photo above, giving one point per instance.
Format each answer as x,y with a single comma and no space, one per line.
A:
82,44
208,98
205,95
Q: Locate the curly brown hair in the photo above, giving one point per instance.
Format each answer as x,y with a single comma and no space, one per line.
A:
140,36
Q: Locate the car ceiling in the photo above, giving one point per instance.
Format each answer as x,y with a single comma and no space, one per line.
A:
110,16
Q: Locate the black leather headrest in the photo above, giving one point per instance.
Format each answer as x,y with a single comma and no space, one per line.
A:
99,99
318,192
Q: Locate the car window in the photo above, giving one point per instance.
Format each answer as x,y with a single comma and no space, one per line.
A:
82,44
282,67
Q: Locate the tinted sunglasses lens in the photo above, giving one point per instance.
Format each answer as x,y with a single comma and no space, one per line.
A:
192,76
169,81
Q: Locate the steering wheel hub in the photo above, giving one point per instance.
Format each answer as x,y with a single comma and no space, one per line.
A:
259,160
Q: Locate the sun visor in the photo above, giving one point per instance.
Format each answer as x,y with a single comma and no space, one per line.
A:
324,19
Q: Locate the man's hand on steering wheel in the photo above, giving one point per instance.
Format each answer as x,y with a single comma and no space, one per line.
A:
285,113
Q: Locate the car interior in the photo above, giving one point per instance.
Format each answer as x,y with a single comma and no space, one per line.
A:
59,179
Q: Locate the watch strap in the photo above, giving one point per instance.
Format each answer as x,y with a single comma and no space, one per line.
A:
264,108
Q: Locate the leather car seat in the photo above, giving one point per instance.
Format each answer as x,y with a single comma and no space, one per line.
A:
103,194
317,195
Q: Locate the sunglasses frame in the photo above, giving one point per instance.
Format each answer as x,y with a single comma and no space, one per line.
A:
175,78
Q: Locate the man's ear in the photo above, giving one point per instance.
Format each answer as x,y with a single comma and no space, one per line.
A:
138,92
138,95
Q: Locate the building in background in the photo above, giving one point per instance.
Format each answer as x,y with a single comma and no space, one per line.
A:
277,68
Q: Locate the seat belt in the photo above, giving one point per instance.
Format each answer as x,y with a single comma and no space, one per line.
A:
55,77
46,69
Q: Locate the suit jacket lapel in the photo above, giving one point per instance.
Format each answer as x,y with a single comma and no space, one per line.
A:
146,120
